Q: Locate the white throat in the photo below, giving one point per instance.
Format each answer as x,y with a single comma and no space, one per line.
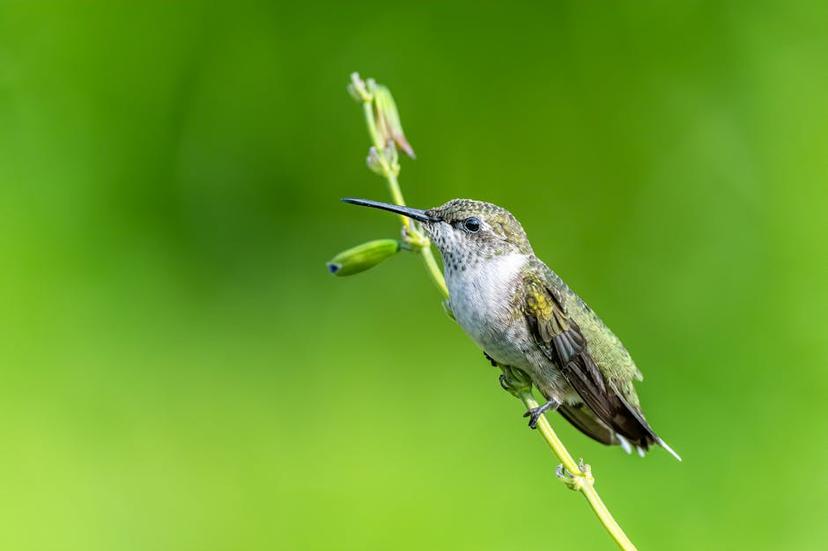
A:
487,277
481,296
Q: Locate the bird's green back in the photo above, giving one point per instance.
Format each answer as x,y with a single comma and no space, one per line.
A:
606,349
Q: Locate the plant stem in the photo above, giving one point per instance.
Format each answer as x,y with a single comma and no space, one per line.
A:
585,483
434,270
577,476
414,234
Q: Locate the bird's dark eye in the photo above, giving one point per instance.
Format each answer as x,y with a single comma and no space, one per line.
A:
471,224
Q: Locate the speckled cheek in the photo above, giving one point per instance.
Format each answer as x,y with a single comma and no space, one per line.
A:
448,242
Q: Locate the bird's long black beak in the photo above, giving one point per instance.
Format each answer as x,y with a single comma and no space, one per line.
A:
416,214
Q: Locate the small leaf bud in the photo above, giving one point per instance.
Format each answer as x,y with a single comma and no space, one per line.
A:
363,257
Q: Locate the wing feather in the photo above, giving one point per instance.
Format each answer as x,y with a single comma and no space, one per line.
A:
560,339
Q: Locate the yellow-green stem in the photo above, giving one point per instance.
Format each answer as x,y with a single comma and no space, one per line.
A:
551,437
577,477
582,481
397,198
585,484
376,139
434,270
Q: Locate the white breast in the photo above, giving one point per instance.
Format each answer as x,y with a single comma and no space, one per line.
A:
481,299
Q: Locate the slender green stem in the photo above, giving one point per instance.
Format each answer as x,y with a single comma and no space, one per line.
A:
397,197
551,438
425,249
394,190
391,178
434,270
368,110
581,478
577,476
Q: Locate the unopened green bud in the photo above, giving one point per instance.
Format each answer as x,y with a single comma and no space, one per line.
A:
388,119
375,161
358,89
362,257
390,154
385,161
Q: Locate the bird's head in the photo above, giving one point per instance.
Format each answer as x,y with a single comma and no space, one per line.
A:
464,230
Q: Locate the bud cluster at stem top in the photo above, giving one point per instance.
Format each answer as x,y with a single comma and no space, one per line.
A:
386,128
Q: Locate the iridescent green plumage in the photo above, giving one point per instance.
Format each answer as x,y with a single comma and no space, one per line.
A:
591,358
526,318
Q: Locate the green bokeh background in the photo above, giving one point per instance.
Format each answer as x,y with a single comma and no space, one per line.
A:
178,371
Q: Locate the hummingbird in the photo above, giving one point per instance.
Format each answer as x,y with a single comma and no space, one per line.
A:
524,317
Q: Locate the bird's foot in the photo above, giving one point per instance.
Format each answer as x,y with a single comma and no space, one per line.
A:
535,413
514,381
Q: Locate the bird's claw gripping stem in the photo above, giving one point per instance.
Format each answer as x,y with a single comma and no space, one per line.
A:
535,413
515,381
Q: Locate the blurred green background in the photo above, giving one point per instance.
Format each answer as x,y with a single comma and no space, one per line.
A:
178,371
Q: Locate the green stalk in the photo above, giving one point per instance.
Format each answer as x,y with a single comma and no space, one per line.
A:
577,476
413,234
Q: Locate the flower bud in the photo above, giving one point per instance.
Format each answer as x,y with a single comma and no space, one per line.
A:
388,119
391,157
375,162
362,257
358,89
